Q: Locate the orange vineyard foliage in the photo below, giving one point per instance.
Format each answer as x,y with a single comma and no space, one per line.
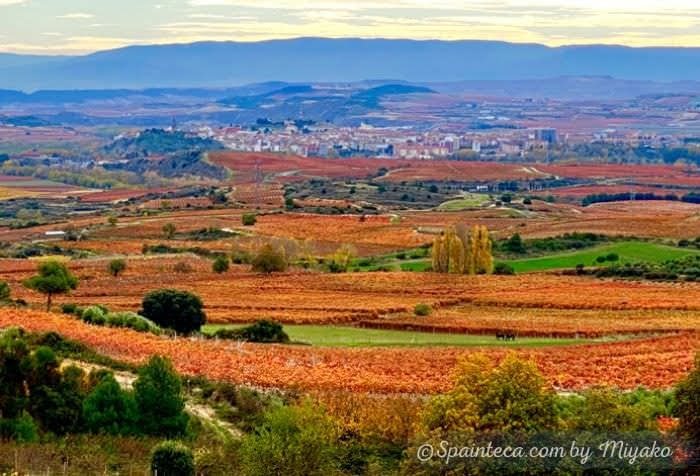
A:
655,363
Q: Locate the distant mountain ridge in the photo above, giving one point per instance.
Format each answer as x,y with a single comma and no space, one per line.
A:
300,60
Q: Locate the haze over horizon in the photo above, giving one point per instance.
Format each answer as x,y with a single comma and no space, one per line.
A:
82,26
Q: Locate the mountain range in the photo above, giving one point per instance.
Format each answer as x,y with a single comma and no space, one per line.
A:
229,64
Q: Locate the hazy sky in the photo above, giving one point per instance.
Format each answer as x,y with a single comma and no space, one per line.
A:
80,26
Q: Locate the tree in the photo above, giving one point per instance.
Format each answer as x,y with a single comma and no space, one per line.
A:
52,278
109,409
515,244
513,396
55,397
116,267
459,251
5,293
171,458
158,395
294,441
269,260
341,259
169,231
220,265
249,219
173,309
688,411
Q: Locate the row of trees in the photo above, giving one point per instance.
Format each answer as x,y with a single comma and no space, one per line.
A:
462,251
38,395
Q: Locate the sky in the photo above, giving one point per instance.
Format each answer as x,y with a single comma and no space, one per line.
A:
84,26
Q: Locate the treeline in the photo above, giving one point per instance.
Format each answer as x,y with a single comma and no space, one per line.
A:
95,177
682,269
568,241
692,197
38,395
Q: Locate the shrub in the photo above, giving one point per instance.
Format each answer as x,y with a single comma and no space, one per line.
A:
527,201
513,396
269,260
422,310
182,267
515,244
178,310
171,458
220,265
116,267
292,441
612,257
158,395
503,269
688,410
93,315
22,429
249,219
169,230
264,331
241,257
4,291
600,259
603,410
69,308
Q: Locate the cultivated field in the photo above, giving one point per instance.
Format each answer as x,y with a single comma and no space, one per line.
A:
625,364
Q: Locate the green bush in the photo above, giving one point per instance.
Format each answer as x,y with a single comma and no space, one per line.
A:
269,260
116,267
294,441
171,458
262,331
22,429
181,311
688,410
4,291
241,257
69,308
159,399
220,265
605,410
93,315
422,310
503,269
249,219
612,257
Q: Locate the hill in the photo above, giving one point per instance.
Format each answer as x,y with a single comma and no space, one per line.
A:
340,60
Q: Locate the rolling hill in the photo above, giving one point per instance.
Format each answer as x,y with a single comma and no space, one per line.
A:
224,64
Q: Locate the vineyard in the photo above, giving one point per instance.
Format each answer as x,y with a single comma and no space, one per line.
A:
476,304
625,364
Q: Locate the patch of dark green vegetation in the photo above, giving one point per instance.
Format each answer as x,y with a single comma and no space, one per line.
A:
686,268
515,245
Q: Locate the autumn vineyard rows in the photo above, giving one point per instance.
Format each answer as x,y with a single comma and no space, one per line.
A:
655,363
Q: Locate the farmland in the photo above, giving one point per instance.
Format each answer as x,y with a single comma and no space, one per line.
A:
628,252
337,336
628,364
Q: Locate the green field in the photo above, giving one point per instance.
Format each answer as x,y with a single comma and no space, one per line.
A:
340,336
628,251
469,200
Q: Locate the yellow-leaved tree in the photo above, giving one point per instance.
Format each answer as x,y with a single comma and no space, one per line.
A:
461,251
